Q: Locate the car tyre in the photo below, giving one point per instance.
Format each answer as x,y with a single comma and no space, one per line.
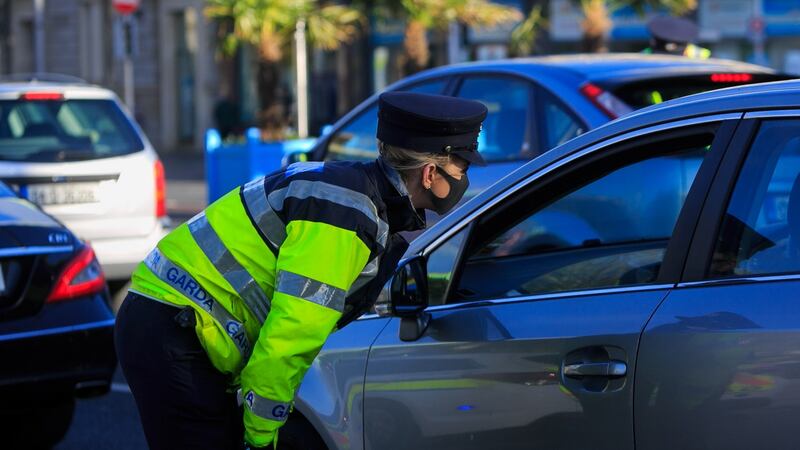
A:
40,426
298,434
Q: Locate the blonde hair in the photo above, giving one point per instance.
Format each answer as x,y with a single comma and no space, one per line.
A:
405,161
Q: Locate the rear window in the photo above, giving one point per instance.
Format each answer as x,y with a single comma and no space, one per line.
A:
657,90
64,130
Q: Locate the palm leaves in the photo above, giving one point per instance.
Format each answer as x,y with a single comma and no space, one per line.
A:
523,37
269,25
676,7
425,15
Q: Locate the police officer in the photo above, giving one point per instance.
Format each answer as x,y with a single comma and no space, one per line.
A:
233,306
675,36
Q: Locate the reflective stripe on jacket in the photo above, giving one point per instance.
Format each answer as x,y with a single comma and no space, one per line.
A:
271,267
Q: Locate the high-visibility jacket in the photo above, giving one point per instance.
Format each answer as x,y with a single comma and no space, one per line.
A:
691,51
273,267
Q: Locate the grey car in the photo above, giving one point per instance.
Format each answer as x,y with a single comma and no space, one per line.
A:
636,287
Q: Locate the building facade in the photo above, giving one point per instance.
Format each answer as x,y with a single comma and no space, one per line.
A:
181,79
175,74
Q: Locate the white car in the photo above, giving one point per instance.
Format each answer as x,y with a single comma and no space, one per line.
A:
75,150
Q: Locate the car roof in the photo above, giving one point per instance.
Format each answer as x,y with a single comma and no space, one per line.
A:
599,67
778,95
13,89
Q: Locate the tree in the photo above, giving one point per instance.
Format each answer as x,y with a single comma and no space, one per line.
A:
269,27
436,15
523,37
596,21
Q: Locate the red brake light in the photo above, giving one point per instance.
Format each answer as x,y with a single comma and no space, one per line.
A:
82,276
42,96
591,90
161,190
606,101
731,78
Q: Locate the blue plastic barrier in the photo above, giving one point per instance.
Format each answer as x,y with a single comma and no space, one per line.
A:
231,165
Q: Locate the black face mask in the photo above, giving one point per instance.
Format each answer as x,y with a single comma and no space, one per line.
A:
457,189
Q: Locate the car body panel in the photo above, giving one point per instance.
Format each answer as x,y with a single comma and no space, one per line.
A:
73,342
18,212
331,395
50,348
719,368
490,376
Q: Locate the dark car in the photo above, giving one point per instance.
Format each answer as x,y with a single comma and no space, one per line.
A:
636,287
536,104
56,328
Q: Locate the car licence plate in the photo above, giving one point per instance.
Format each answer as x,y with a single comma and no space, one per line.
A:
64,193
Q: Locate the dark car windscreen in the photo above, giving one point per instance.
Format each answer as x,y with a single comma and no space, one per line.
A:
56,130
642,93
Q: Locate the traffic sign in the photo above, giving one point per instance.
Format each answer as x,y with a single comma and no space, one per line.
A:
125,7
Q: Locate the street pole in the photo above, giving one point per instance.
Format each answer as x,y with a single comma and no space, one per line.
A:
127,63
302,79
5,24
454,43
38,32
759,55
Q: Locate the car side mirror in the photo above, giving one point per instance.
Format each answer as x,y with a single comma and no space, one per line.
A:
405,296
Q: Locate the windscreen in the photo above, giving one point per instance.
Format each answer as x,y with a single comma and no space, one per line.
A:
57,130
642,93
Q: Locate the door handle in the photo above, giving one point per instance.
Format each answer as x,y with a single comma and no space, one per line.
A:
609,369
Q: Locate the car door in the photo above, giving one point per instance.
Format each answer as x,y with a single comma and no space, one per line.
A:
719,365
541,296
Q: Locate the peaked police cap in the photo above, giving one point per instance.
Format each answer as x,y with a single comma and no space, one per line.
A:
428,123
673,29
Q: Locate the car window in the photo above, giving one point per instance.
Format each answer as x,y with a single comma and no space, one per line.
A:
431,87
760,232
504,134
441,263
5,191
558,125
611,229
356,140
666,86
64,130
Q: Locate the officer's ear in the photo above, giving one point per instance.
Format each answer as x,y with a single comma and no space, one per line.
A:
428,175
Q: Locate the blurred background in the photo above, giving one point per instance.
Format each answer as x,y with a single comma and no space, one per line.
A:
232,64
217,86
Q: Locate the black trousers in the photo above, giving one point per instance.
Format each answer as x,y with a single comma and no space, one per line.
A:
182,398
